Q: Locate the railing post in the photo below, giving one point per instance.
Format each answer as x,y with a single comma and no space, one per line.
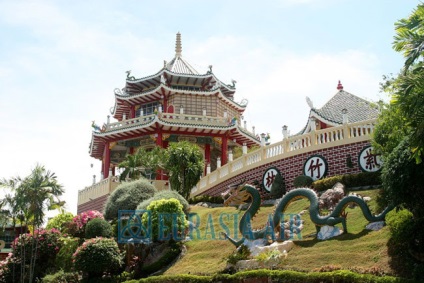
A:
345,132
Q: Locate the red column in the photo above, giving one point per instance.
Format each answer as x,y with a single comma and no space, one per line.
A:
207,155
224,150
132,112
160,144
106,159
165,104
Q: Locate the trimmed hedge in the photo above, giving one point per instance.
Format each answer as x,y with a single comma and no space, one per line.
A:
349,180
206,198
282,276
165,194
127,196
302,181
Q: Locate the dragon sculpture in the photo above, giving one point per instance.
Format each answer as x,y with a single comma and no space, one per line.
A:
241,193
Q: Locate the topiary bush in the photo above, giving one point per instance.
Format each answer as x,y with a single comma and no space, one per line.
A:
98,256
302,181
98,228
167,220
127,196
165,194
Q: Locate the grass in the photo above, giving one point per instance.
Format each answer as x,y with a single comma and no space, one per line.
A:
360,249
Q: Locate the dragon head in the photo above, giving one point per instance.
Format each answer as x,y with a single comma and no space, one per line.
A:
236,194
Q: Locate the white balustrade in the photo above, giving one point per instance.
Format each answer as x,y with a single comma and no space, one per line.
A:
308,142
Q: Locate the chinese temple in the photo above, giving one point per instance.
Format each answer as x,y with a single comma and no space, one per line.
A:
342,108
335,141
177,103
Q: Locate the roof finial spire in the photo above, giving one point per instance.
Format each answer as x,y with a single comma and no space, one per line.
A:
339,86
178,47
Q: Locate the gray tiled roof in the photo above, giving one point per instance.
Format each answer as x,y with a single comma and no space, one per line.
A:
181,66
358,108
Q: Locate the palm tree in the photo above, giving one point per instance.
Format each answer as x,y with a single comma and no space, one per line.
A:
33,195
142,163
131,166
184,162
409,38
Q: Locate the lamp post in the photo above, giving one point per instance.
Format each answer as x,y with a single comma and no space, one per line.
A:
285,132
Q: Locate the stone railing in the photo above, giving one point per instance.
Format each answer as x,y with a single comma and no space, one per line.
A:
194,119
173,118
129,123
104,187
334,136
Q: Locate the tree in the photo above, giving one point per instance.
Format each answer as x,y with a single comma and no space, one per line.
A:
184,163
399,135
32,196
142,163
409,38
130,165
407,88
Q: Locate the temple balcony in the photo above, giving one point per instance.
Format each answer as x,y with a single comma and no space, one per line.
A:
193,120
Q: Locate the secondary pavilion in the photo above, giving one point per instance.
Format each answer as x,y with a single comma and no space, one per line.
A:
177,103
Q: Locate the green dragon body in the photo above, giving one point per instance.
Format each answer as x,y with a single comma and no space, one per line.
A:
244,192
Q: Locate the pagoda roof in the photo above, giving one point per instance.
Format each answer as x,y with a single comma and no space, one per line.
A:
123,99
178,73
169,123
358,109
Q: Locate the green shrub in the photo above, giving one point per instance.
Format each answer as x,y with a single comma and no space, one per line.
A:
278,187
98,228
302,181
349,180
60,221
241,253
167,219
127,196
206,198
97,256
165,260
61,277
400,224
64,257
166,194
282,276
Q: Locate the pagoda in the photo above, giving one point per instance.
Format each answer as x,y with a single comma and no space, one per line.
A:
175,104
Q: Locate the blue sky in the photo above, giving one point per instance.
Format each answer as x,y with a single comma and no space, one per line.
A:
61,60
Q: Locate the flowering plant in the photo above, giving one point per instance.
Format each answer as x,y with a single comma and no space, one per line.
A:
39,248
81,220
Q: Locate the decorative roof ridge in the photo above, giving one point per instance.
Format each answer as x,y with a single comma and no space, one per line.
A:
246,132
189,75
134,80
